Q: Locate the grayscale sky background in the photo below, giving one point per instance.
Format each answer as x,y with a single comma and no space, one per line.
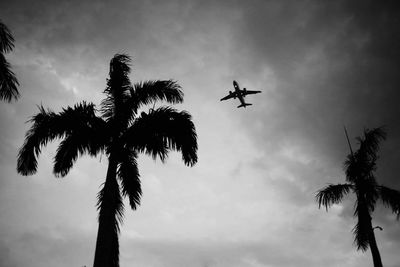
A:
249,202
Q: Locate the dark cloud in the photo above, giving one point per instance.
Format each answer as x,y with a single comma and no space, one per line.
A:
335,63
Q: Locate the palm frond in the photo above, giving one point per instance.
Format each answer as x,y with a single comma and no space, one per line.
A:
128,174
41,132
362,163
147,92
163,129
363,227
370,143
117,92
67,153
144,138
71,147
351,168
332,194
87,134
6,39
360,232
47,126
8,81
390,198
120,64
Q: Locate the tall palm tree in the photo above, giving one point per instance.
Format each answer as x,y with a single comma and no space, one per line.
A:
359,168
121,132
8,81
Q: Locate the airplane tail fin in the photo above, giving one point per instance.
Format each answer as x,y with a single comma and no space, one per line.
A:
244,105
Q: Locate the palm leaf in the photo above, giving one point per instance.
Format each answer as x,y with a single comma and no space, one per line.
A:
144,93
48,126
163,129
130,179
87,134
369,145
332,194
351,168
6,39
362,163
363,227
390,198
67,154
75,145
8,81
117,93
41,132
147,92
120,65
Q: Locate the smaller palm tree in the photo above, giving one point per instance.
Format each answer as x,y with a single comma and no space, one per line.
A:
359,168
8,81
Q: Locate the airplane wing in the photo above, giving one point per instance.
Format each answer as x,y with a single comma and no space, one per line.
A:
231,95
248,92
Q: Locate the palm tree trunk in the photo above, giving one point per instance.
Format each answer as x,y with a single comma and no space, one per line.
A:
376,257
107,248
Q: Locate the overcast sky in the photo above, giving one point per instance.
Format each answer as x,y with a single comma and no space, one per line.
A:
249,201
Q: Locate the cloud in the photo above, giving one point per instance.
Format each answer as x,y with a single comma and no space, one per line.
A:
250,199
217,254
46,247
333,65
326,72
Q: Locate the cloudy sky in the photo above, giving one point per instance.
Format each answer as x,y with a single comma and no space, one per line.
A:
249,201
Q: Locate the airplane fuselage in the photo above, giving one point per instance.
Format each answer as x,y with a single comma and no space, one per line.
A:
239,93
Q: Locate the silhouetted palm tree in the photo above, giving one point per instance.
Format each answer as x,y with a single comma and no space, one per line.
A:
121,133
8,81
359,169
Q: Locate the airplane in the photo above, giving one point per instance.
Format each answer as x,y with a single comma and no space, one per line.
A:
239,94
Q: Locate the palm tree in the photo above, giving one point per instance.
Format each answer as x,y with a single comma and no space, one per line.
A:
121,133
359,168
8,81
